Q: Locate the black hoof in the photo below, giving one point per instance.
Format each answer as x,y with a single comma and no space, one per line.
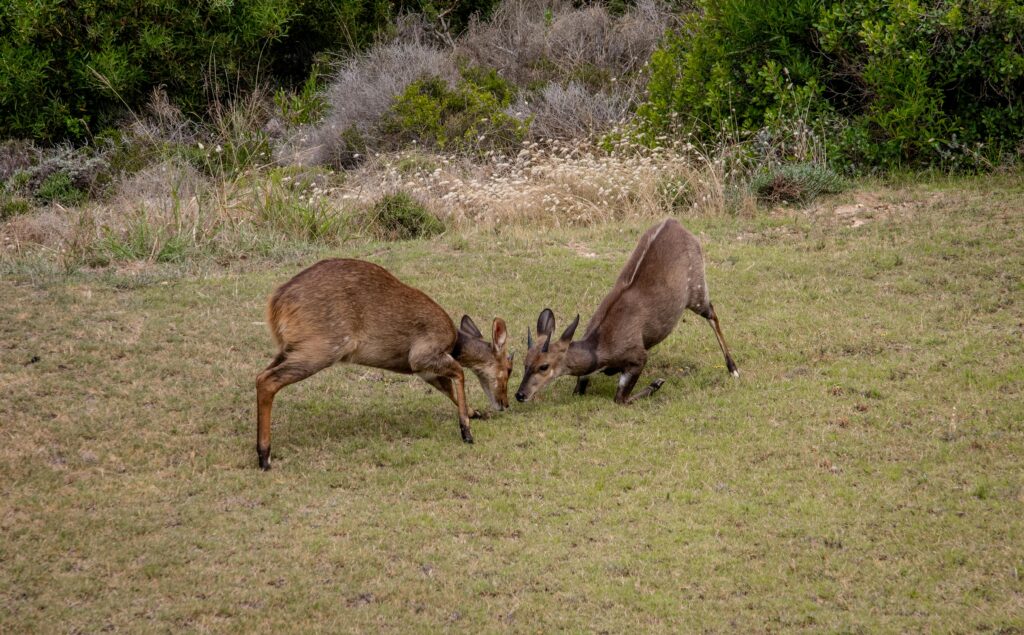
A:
732,368
467,436
476,414
264,456
656,384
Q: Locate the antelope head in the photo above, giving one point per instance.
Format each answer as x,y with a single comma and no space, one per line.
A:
489,361
545,358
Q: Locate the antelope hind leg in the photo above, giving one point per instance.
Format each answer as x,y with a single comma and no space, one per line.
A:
441,364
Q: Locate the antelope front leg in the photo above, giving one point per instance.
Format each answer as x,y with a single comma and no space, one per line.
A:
581,386
627,380
647,392
460,396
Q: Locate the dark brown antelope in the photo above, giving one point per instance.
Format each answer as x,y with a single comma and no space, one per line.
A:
342,310
663,276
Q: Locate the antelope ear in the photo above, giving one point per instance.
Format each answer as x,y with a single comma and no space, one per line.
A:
545,322
498,334
467,326
571,329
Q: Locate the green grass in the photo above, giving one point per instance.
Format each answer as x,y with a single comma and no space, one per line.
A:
863,475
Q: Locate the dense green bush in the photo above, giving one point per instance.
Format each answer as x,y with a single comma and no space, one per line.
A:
895,82
467,117
11,206
67,70
399,216
59,188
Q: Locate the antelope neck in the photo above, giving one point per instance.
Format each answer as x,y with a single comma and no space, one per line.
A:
581,357
467,348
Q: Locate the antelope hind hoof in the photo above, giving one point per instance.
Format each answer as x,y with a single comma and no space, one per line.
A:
264,458
656,384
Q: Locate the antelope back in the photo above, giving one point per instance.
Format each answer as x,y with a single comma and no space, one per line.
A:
663,276
356,311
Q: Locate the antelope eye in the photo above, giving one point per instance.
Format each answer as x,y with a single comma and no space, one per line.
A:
543,368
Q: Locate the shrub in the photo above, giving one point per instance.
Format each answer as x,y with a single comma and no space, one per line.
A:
592,60
450,18
361,93
305,106
16,155
795,183
11,206
468,117
570,111
399,216
69,69
65,174
58,188
532,42
581,66
906,83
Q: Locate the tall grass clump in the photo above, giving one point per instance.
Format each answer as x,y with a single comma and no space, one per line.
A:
294,206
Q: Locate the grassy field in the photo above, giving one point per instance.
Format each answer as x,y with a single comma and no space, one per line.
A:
865,473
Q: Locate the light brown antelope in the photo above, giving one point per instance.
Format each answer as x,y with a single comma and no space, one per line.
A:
663,276
342,310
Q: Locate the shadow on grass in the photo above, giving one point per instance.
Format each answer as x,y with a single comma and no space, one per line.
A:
312,422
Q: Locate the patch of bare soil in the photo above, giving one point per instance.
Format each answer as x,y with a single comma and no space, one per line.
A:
870,206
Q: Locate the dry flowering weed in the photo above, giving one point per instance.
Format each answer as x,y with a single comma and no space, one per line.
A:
550,182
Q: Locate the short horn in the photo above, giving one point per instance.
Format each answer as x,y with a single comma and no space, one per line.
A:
529,338
571,329
547,343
